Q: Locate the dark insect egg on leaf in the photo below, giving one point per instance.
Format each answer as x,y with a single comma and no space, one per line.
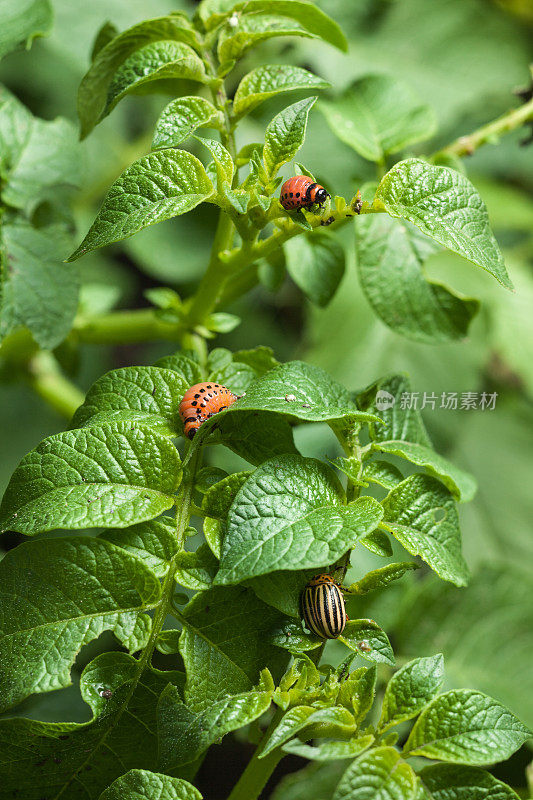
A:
322,607
200,402
302,192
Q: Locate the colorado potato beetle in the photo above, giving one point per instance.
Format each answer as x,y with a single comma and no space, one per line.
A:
322,607
301,192
200,402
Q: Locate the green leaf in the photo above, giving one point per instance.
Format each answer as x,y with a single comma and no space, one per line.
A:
285,135
446,207
270,80
206,477
153,542
325,722
453,782
368,640
291,636
379,115
146,395
39,160
466,727
307,14
377,542
37,290
106,33
421,515
302,391
256,436
113,475
390,259
378,775
223,368
156,61
484,633
224,169
290,515
329,751
379,578
409,689
398,419
158,186
315,780
225,644
60,594
356,692
185,366
382,473
78,761
213,531
185,734
261,359
316,265
22,22
218,498
282,589
138,784
92,94
181,118
238,199
460,483
252,29
196,570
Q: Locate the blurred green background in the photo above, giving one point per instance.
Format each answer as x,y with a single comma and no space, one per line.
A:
464,57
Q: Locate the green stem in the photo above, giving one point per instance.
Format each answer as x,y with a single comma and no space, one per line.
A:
241,258
488,134
259,770
46,379
209,289
126,327
352,448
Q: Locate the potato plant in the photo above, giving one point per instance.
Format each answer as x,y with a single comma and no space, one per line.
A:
179,557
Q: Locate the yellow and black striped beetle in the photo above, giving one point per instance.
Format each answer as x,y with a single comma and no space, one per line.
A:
322,607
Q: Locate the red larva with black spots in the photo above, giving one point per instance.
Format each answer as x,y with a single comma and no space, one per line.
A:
200,402
301,192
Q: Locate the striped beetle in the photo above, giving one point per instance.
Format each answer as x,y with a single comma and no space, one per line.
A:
322,607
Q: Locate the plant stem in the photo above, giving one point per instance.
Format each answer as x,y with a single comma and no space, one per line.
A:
490,133
259,770
126,327
46,379
208,292
210,287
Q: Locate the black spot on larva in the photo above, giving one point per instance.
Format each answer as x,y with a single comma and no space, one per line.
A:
297,194
209,386
196,396
202,390
291,194
194,403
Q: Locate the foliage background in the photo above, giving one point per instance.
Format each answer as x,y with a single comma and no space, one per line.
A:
463,57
